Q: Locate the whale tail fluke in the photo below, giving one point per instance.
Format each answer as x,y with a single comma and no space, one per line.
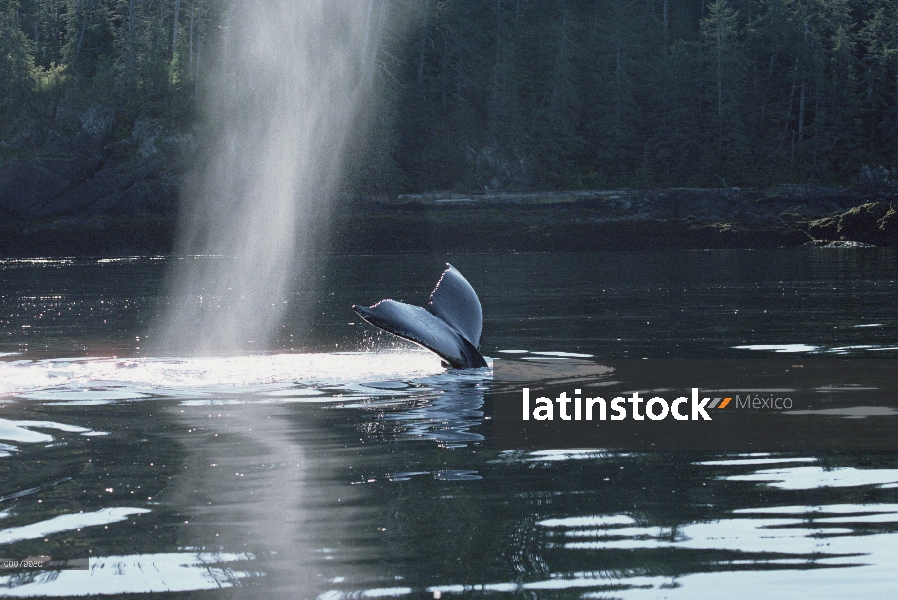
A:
451,328
455,301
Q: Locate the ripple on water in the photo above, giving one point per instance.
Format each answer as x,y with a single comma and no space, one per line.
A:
766,548
135,574
808,478
809,349
70,522
781,348
18,431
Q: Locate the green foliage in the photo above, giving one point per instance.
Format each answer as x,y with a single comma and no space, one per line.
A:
525,93
113,52
50,81
627,93
16,61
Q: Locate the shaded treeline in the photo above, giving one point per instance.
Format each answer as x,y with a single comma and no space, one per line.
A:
142,57
526,93
570,93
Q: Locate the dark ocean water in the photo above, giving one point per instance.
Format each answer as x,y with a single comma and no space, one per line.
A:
342,463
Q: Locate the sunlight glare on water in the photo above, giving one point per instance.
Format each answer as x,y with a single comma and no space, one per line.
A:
108,380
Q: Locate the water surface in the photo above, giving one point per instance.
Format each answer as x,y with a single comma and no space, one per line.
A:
345,464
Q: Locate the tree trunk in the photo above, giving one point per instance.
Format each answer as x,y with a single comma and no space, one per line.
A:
129,56
618,73
364,58
174,30
190,39
373,33
57,50
422,46
498,53
444,72
791,104
719,73
84,20
196,72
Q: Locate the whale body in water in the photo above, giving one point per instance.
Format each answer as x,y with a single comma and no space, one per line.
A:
450,326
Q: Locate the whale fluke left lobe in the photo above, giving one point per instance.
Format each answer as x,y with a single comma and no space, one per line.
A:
452,330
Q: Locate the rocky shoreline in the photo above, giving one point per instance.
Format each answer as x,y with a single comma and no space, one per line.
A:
691,219
786,216
621,220
94,193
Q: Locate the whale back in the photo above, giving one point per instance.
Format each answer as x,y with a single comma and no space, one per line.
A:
455,302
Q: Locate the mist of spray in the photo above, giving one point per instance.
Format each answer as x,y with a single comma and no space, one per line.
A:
284,92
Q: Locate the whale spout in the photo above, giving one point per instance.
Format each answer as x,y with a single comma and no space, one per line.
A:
450,326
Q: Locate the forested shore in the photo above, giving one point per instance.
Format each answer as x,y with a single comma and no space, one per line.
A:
100,102
627,219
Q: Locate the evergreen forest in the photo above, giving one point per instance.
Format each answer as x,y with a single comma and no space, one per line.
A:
516,94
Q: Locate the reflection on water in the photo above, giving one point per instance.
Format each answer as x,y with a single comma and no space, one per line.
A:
808,478
281,486
333,474
250,468
68,523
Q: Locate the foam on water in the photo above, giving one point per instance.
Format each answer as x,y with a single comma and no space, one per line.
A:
279,377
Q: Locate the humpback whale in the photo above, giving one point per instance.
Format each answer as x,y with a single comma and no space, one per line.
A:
450,326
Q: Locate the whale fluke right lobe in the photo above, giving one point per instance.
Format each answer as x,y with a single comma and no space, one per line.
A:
451,328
